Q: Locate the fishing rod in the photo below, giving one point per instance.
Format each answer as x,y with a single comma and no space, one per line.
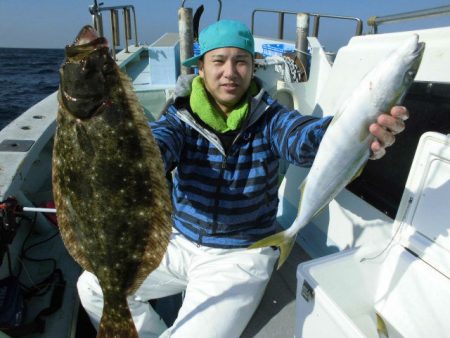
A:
33,209
11,207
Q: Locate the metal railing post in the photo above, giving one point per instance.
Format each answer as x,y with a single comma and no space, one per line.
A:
280,25
376,21
301,44
97,21
317,17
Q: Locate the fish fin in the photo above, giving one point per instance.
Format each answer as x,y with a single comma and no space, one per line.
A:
359,172
66,216
280,240
302,189
381,327
302,186
116,320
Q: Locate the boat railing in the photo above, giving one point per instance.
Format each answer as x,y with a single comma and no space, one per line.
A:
316,22
302,28
376,21
96,12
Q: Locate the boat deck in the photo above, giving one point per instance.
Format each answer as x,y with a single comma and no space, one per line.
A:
275,316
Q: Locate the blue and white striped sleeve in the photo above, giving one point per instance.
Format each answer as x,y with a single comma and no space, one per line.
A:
296,137
168,132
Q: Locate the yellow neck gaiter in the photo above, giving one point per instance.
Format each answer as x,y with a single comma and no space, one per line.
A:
201,105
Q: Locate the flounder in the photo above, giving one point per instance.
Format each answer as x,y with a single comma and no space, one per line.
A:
109,185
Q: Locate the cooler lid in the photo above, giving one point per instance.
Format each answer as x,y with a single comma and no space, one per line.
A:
423,217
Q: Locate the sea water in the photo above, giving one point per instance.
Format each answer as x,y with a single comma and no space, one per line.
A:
26,77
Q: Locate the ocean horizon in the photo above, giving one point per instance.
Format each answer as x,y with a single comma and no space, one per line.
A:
27,75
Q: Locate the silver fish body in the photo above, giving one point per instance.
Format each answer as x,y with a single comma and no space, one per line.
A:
345,147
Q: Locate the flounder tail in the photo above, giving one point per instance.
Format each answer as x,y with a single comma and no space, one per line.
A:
116,322
282,240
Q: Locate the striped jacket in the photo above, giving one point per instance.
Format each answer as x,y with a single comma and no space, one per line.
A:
228,198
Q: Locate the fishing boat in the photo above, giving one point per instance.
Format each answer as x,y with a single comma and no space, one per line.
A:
38,278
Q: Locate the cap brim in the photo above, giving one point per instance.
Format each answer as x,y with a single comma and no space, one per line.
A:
191,62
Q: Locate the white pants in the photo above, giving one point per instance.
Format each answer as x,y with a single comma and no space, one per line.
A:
223,288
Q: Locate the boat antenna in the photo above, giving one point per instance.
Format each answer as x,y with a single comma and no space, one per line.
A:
196,21
218,13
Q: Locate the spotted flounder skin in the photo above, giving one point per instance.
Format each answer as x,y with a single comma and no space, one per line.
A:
109,186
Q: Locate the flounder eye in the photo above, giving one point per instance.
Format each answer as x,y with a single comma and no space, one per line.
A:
83,64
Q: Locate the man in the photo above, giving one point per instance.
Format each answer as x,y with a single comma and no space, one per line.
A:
223,135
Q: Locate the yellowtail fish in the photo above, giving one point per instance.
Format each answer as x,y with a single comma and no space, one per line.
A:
345,147
112,200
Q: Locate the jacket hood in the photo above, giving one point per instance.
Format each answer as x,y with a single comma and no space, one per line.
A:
177,105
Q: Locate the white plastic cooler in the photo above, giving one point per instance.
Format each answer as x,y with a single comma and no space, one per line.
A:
406,285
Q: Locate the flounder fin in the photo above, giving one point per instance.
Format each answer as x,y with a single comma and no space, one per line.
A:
118,322
280,240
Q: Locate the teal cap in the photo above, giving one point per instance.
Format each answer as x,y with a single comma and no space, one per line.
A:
223,33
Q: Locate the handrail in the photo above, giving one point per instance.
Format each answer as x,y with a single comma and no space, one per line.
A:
317,17
280,19
375,21
359,22
97,19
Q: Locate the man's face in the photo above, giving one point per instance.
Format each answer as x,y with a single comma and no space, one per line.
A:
227,73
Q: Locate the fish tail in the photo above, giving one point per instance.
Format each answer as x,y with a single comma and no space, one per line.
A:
381,327
117,322
282,240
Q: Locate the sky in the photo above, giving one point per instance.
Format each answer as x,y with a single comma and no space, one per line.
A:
55,23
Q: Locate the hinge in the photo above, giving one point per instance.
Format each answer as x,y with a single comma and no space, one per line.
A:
307,291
